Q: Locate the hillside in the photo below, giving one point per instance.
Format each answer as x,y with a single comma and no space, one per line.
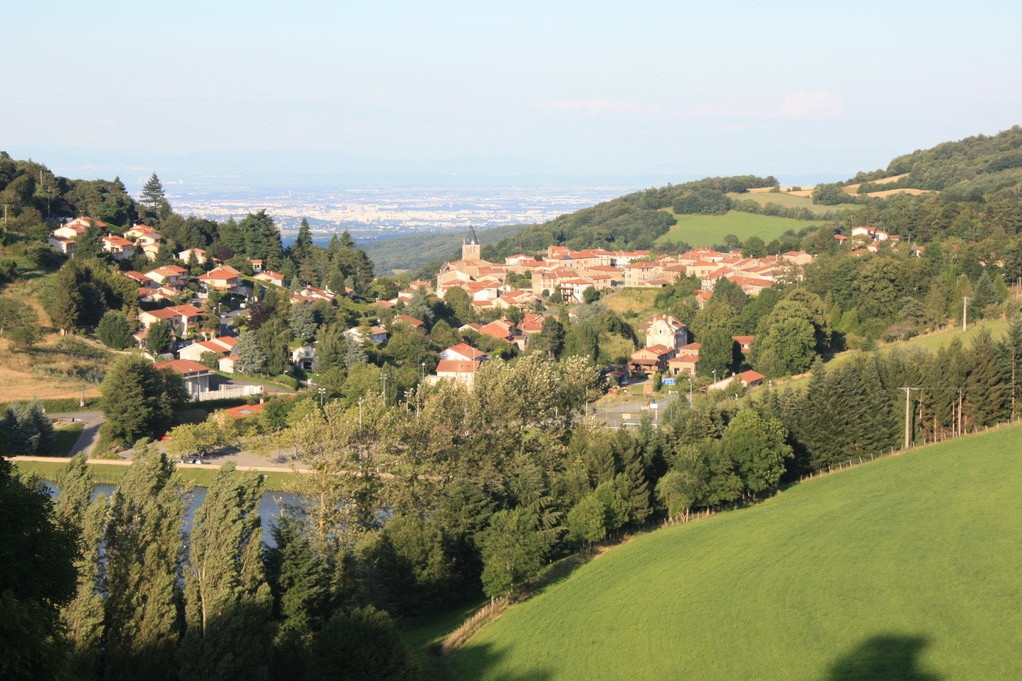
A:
415,251
914,196
903,568
710,229
979,165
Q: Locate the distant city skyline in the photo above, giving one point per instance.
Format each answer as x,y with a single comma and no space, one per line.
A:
571,92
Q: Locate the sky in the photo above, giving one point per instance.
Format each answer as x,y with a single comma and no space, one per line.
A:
560,91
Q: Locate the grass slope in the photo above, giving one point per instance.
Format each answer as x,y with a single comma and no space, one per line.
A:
707,230
112,474
791,201
904,568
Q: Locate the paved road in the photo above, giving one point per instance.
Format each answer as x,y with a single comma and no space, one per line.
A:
86,442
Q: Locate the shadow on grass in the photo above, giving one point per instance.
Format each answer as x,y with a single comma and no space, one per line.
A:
891,657
479,661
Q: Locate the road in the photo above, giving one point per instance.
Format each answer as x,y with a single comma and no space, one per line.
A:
86,441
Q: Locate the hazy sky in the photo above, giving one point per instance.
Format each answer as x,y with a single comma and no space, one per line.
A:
670,90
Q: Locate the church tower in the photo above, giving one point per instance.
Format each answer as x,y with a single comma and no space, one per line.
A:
470,248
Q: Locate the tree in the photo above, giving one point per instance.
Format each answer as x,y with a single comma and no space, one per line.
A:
154,199
158,337
83,615
362,645
758,448
138,399
302,322
302,247
114,330
587,521
512,550
227,600
250,356
90,243
24,429
550,338
143,544
37,578
460,303
15,313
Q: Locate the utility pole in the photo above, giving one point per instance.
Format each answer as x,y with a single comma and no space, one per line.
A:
908,416
6,206
965,313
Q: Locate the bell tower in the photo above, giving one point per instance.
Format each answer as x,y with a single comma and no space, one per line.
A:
470,248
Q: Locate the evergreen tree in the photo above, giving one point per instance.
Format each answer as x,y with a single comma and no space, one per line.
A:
37,578
550,338
143,545
302,247
139,400
227,600
512,550
158,337
83,616
985,387
90,243
302,321
250,356
114,330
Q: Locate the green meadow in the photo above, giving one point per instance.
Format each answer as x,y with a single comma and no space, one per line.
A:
111,474
903,568
708,230
791,201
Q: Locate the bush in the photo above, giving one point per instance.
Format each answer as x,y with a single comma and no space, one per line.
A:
114,330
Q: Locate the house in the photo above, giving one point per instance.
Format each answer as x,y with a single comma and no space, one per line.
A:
257,265
651,360
195,375
463,352
316,293
304,358
180,317
168,274
245,410
415,324
687,363
270,277
744,343
455,370
138,231
117,246
747,379
375,334
222,346
665,330
186,255
223,278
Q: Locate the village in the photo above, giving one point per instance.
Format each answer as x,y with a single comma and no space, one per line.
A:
523,282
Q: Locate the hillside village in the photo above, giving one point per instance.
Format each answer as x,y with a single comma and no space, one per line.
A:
524,282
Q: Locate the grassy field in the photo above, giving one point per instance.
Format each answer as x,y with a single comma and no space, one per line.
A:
791,201
112,474
708,230
631,301
905,568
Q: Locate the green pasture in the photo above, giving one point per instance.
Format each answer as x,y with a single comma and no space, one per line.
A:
903,568
708,230
791,201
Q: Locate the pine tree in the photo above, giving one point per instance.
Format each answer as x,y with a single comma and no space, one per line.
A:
114,331
68,303
37,578
227,600
302,246
158,337
143,546
985,386
153,194
83,616
250,356
89,244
